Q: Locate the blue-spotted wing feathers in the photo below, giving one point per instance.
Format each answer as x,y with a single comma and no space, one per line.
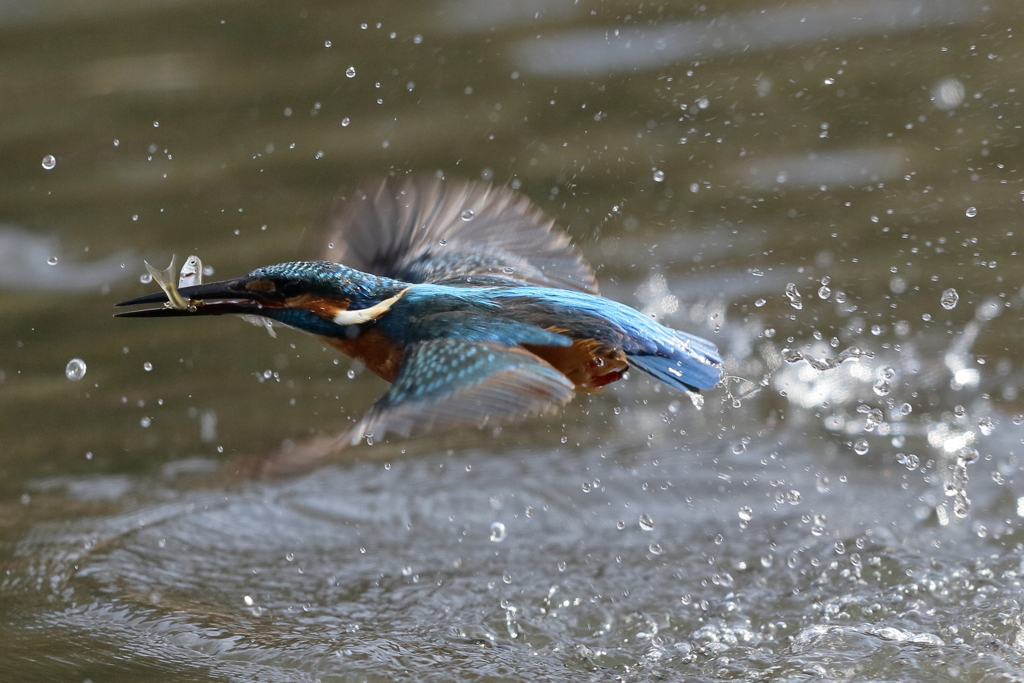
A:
447,382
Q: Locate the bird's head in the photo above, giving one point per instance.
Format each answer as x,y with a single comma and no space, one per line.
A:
315,296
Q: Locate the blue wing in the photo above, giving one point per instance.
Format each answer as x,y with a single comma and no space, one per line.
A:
451,382
426,230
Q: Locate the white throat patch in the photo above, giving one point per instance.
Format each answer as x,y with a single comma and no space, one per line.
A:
365,315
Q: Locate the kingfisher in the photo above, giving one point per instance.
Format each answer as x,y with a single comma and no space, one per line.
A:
464,296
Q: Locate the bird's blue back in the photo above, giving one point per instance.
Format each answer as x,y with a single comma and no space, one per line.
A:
677,358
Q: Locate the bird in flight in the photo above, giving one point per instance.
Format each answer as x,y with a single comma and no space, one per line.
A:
465,297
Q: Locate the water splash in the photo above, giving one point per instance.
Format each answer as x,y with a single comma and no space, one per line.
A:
958,357
791,356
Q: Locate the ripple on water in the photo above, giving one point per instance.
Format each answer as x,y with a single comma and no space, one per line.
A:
364,570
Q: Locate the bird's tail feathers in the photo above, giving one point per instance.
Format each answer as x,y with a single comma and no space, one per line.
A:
687,372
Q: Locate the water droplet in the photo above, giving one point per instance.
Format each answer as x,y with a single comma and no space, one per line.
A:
289,556
987,425
49,161
561,566
861,447
75,369
498,532
961,505
145,278
659,176
949,299
971,211
655,549
883,385
587,487
467,215
824,292
968,456
620,525
948,93
443,242
840,547
350,72
351,374
795,300
345,121
873,417
147,366
702,102
760,302
746,513
794,497
52,261
145,422
327,43
646,522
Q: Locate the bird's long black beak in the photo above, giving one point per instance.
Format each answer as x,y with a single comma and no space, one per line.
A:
215,298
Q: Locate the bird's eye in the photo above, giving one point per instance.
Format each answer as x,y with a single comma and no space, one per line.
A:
290,288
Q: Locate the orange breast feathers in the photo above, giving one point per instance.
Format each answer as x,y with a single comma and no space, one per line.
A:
369,347
587,363
373,350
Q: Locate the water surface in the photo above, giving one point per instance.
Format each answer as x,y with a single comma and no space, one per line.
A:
801,183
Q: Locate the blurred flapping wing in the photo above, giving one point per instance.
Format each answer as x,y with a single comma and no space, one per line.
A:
452,382
423,229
